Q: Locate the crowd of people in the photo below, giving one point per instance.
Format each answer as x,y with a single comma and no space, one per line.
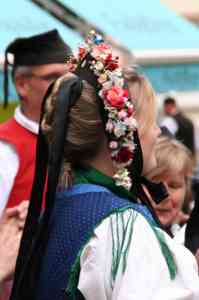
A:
97,200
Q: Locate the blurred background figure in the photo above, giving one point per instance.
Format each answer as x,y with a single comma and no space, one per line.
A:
192,229
174,169
38,60
178,124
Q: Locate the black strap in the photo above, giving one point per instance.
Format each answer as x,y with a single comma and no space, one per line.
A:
35,233
34,210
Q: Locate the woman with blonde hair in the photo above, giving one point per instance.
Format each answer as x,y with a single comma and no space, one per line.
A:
175,169
98,237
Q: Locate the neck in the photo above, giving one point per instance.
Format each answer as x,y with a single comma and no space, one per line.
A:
102,162
104,167
31,115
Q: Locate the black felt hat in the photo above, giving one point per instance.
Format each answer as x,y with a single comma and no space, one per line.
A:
45,48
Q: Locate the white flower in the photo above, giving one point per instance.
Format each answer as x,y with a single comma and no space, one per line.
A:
107,85
131,122
119,129
102,78
117,72
112,113
119,82
99,66
122,178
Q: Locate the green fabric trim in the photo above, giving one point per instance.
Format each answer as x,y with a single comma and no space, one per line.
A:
92,175
74,274
166,253
120,248
120,245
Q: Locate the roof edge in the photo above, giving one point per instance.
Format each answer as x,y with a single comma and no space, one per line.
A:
171,56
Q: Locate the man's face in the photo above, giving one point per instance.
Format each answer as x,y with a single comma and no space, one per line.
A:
35,85
169,108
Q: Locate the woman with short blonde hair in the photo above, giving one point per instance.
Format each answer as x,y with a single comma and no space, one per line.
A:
174,168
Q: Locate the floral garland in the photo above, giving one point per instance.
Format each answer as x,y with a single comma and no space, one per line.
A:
120,109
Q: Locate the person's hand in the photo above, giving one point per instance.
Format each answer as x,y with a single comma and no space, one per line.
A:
10,236
11,228
19,212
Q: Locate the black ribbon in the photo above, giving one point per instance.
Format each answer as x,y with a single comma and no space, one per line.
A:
157,191
35,234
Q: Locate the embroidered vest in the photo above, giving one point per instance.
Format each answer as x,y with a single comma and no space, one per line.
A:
24,143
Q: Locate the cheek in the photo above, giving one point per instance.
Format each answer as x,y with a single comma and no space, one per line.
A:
41,89
178,198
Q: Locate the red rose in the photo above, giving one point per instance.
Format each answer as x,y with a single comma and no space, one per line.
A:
82,52
103,47
126,93
130,111
111,66
109,58
124,155
111,63
115,97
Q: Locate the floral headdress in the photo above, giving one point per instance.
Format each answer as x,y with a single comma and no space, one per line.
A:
121,123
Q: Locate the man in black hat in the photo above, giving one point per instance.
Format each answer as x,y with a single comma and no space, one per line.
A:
38,61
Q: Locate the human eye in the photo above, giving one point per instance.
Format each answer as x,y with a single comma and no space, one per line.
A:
176,184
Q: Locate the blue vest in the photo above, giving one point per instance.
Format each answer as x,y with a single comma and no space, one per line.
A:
76,214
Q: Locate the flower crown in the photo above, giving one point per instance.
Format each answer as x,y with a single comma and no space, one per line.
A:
121,123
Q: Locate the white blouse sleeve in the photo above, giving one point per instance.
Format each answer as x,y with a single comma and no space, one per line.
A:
9,165
144,274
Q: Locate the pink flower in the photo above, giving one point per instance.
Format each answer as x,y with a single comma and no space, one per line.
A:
109,126
122,114
99,50
103,47
131,122
113,145
116,97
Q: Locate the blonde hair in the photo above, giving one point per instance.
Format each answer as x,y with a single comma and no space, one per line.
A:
144,97
171,155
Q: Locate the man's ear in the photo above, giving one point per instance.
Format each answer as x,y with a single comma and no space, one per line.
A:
22,85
